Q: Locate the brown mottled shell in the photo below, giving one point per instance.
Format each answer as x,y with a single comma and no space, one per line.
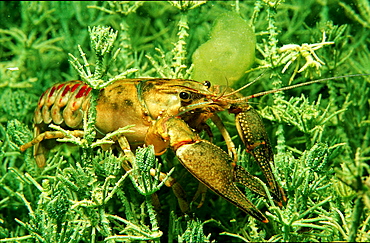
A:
63,103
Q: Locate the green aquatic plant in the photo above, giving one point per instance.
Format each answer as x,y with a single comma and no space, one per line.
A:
319,133
363,15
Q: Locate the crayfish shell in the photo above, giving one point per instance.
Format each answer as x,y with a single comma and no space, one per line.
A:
62,104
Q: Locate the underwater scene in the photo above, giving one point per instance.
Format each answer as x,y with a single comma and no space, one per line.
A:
185,121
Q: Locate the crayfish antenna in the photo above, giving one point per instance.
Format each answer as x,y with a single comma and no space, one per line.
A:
245,86
292,86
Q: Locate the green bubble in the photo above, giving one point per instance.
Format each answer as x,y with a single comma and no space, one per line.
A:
229,52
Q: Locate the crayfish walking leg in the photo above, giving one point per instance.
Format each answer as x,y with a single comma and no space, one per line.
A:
170,182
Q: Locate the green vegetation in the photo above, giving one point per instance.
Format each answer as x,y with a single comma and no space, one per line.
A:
320,133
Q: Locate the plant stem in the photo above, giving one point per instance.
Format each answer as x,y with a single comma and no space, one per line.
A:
357,213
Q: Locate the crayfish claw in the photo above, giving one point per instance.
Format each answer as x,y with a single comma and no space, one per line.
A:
243,177
255,138
205,161
213,167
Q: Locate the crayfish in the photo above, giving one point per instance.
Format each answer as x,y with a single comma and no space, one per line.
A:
168,113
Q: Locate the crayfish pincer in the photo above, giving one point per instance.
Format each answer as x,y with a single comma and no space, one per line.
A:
167,113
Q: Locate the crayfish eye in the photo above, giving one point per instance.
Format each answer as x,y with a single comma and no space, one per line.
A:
207,84
184,95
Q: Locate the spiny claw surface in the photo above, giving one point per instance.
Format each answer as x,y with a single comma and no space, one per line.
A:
255,138
213,167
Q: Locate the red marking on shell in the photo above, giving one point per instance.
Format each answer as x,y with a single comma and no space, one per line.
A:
60,86
52,91
66,90
41,100
73,107
43,94
54,112
88,91
75,87
81,92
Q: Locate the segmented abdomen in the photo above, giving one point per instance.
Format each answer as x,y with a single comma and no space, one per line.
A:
64,102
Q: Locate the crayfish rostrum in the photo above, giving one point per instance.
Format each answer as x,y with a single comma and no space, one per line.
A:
168,113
